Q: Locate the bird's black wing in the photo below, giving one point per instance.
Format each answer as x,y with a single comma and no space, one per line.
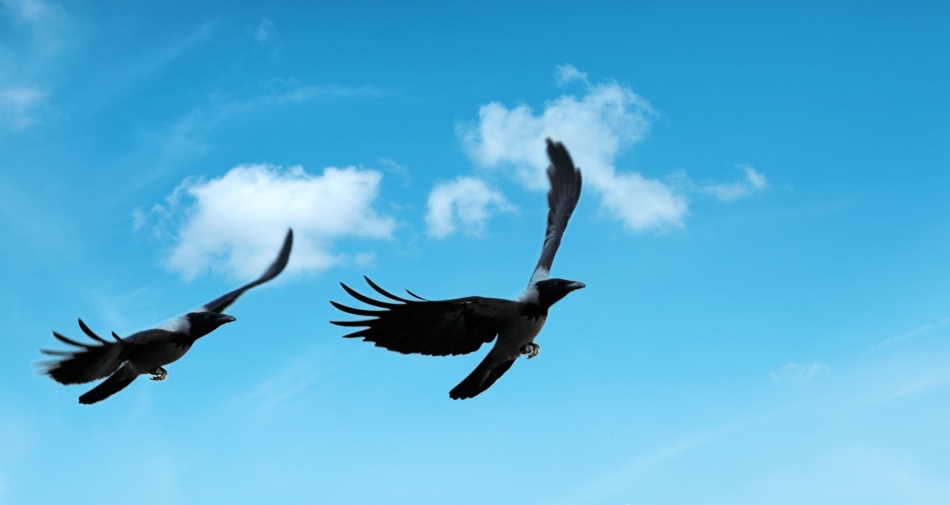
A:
420,326
115,383
484,375
90,362
221,303
562,199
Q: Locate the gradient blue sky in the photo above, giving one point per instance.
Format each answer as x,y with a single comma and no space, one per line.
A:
763,233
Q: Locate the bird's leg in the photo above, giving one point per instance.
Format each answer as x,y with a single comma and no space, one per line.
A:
531,349
158,374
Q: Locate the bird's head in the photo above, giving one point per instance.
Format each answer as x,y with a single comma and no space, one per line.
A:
203,323
550,291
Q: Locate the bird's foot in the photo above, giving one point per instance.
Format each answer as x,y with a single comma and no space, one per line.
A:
158,374
531,349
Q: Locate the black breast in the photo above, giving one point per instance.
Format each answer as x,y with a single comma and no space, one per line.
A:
532,311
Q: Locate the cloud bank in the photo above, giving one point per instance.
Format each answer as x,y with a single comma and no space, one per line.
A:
235,223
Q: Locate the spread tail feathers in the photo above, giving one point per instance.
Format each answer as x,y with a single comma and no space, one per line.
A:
480,379
115,383
87,363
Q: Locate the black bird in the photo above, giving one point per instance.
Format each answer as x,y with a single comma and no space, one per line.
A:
149,350
462,325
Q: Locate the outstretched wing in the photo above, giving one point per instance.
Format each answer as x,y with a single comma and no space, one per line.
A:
484,375
90,362
562,199
115,383
420,326
221,303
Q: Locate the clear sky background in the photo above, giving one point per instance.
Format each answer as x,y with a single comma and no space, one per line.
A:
763,232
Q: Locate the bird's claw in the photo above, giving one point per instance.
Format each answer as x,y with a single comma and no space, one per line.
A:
531,349
158,374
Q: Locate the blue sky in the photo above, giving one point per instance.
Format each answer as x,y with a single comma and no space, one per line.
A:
763,234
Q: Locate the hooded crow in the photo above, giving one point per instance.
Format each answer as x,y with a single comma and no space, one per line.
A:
462,325
147,351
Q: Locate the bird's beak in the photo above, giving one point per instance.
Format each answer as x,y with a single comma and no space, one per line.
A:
225,318
576,285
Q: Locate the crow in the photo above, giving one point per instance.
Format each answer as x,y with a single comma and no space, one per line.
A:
147,351
462,325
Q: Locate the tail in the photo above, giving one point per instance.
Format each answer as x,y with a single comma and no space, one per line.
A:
115,383
484,375
87,363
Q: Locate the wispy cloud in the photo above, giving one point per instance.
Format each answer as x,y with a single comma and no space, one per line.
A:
31,11
798,372
285,90
280,393
904,336
150,62
620,479
25,73
235,222
187,137
272,92
752,183
566,74
463,203
265,31
20,106
280,387
924,381
391,166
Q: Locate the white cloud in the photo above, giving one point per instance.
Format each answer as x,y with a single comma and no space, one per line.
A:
754,181
20,106
596,128
798,372
463,202
236,222
565,74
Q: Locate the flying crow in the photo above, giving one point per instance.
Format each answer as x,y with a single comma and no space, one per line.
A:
462,325
146,351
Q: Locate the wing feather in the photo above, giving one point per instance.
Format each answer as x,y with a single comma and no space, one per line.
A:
565,191
222,302
435,328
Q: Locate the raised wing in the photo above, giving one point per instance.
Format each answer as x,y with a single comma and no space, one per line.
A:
90,362
420,326
562,199
221,303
